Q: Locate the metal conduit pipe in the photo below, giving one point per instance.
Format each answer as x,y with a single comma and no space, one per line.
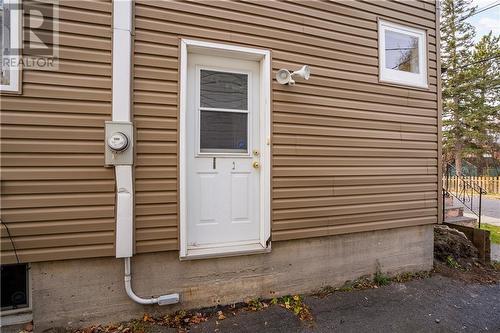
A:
161,300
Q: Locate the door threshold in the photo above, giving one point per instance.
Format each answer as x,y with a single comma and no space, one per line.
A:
225,251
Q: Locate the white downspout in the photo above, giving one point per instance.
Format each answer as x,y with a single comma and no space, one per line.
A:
121,111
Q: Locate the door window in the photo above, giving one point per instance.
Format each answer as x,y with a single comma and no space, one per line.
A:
223,132
223,90
223,112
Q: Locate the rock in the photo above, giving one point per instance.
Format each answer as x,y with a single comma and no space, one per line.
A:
451,242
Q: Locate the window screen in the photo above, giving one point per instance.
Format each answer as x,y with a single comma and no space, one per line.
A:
223,131
224,114
223,90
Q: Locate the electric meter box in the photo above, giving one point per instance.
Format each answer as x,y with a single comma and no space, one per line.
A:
119,143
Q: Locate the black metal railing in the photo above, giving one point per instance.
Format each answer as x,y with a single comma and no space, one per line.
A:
464,189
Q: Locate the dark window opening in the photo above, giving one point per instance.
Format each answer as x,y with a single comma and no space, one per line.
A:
14,281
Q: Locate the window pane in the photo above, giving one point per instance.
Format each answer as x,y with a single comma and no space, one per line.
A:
14,286
5,32
401,52
223,132
223,90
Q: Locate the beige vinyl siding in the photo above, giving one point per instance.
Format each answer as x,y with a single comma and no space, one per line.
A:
349,154
57,198
155,117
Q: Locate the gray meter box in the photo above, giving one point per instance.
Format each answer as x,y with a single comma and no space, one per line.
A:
119,143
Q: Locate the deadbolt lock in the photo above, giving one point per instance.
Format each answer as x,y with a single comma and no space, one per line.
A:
256,165
255,152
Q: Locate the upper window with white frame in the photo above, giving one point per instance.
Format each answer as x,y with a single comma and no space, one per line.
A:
11,26
402,54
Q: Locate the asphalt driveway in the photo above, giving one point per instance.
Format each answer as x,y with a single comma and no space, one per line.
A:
436,304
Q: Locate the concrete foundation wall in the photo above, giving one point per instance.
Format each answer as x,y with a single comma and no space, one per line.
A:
74,293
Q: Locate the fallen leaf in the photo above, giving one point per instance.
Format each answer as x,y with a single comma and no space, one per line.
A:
28,327
147,317
220,315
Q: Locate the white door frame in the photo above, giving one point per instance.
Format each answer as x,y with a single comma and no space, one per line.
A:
264,58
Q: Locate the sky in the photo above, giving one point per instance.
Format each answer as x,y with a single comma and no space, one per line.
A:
487,20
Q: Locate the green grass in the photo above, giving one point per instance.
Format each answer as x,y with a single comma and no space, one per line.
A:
493,196
494,232
450,261
381,279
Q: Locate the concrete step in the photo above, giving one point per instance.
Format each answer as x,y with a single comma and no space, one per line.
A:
463,220
453,211
448,201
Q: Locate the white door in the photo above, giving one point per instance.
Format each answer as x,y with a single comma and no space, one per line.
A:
222,152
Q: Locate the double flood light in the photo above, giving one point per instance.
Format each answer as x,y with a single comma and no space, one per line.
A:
285,77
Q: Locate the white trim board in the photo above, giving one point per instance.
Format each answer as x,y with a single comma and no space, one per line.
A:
264,57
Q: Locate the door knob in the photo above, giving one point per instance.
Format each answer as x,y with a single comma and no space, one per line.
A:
256,165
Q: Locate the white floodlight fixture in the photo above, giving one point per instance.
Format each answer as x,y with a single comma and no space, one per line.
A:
304,72
285,77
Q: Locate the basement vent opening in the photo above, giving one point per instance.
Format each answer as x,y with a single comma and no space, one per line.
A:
14,281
